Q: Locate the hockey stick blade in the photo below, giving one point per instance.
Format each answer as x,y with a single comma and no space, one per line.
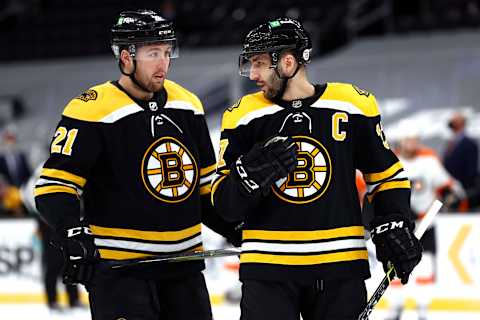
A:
382,287
176,257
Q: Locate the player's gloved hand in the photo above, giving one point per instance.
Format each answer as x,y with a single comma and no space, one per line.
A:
395,243
80,255
264,164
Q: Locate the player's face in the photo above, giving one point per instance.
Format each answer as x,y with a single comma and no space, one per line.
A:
264,75
153,62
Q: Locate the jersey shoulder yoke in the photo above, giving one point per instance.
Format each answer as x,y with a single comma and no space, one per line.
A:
350,98
249,107
102,103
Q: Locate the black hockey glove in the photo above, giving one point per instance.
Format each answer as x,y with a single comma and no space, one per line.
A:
80,255
264,164
395,243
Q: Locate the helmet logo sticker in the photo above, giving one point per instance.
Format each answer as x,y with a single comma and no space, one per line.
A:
169,171
306,54
312,175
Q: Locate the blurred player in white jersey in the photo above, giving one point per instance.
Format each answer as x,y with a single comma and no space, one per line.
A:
429,181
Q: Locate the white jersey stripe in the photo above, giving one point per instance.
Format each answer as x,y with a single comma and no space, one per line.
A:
337,105
304,247
150,247
258,114
41,182
121,113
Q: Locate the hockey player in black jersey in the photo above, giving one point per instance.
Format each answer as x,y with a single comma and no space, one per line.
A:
136,156
288,155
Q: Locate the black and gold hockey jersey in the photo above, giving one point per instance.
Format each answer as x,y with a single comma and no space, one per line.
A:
309,226
142,168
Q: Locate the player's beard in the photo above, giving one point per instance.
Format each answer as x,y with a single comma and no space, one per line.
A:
149,82
274,86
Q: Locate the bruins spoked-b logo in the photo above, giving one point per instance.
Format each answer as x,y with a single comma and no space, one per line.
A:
311,177
169,171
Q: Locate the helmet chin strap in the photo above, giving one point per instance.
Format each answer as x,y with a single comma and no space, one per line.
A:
132,75
284,79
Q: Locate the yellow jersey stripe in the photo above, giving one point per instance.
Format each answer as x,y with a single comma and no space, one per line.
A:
122,255
54,189
304,260
64,175
146,235
207,170
215,185
375,177
355,231
404,184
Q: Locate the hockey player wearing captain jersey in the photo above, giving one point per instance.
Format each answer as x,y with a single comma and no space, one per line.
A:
430,181
137,153
288,155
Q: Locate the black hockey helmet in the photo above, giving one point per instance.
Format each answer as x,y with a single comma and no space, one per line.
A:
141,27
273,37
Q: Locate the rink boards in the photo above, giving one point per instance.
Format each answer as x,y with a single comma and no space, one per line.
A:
456,287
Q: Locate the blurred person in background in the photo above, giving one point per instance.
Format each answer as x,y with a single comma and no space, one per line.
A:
429,181
288,155
129,177
14,170
461,159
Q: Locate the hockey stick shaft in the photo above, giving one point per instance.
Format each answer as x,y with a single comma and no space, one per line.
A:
176,257
382,287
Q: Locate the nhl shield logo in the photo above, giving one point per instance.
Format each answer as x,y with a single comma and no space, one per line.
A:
311,177
169,171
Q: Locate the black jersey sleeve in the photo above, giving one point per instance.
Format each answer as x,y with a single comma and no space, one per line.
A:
388,187
74,149
210,216
229,200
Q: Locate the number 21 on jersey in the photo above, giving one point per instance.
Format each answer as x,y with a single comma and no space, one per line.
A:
63,141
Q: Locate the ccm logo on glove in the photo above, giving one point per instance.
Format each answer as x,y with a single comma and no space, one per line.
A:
387,226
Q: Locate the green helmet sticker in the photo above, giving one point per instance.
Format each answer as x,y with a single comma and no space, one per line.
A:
120,20
274,23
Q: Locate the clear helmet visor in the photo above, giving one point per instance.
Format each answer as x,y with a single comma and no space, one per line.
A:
151,51
244,66
254,62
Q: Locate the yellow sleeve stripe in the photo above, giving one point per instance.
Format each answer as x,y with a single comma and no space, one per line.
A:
404,184
376,177
304,260
355,231
64,175
146,235
205,189
208,170
54,189
215,185
123,255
